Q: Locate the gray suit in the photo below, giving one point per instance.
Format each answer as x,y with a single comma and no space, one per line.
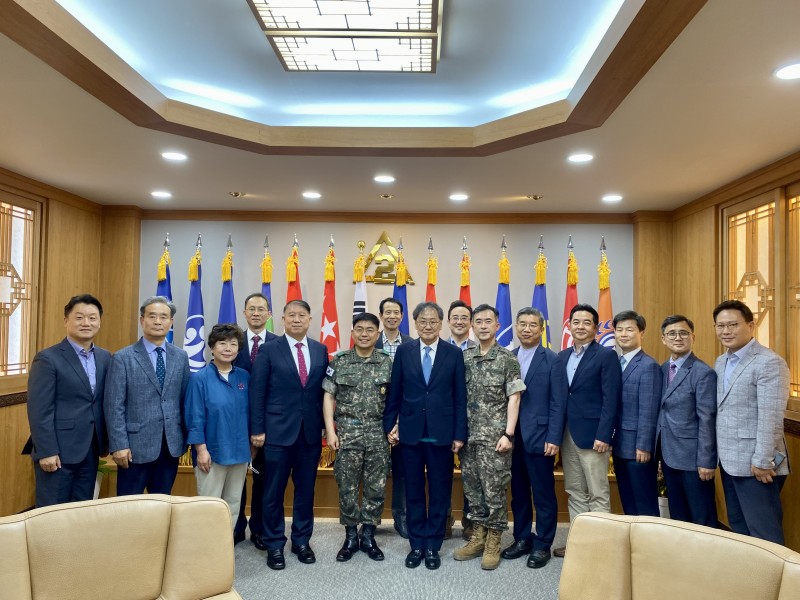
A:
750,433
140,415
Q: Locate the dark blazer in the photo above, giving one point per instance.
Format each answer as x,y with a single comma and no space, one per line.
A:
641,395
403,339
279,405
63,413
591,403
441,404
139,413
688,417
539,416
242,359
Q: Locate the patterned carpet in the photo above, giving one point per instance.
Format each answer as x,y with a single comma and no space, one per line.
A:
364,579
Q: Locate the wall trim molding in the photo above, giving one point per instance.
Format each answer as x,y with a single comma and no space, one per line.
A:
12,399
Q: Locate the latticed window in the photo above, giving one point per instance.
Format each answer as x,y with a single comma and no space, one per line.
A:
793,294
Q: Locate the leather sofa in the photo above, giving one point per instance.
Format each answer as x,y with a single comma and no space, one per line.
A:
142,547
622,557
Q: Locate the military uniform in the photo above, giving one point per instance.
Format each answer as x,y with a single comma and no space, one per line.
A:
491,379
360,386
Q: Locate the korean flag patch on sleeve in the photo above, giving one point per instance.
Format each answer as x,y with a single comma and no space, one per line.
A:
329,372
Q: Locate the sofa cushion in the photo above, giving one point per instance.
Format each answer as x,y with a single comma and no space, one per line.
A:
15,577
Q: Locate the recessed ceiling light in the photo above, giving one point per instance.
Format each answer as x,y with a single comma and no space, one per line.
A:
612,198
161,194
312,195
534,196
237,194
174,156
458,197
789,72
386,196
384,179
581,157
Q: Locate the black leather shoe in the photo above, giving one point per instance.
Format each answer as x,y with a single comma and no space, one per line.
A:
517,549
238,536
258,541
350,544
275,560
432,560
414,558
304,554
538,559
368,544
401,526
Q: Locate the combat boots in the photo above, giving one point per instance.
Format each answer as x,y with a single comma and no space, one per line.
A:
350,544
491,555
368,544
475,546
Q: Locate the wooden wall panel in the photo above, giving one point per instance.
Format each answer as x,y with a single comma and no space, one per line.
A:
790,494
17,489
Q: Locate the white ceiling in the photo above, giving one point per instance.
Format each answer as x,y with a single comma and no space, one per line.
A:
707,112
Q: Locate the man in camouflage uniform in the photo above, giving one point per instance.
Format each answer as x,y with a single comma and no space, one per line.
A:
356,385
493,394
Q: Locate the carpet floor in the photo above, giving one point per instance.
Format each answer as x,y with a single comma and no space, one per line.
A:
364,579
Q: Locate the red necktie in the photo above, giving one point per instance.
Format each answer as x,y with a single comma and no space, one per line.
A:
301,364
254,351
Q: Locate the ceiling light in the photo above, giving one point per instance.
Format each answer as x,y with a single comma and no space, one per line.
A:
312,195
581,157
161,195
237,194
384,179
174,156
534,196
386,196
789,72
458,197
610,198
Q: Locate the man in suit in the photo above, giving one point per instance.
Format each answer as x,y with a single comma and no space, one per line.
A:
586,382
752,391
535,446
65,407
286,420
426,414
256,313
686,436
143,403
391,314
635,434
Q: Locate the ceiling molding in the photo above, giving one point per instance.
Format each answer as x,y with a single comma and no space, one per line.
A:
49,32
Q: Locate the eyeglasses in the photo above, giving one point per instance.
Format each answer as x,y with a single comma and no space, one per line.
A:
259,310
455,319
423,323
674,335
720,327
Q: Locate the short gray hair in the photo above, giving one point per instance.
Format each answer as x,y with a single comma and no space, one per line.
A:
158,300
530,311
423,306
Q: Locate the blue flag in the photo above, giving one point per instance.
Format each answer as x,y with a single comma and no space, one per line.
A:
399,294
540,304
164,288
505,335
194,338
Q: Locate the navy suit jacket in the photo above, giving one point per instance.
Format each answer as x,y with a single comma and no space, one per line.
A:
441,404
279,404
403,339
242,359
63,413
688,418
641,395
591,403
539,415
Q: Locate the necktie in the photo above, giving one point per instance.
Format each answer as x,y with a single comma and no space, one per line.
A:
301,364
161,370
254,351
622,362
427,364
673,370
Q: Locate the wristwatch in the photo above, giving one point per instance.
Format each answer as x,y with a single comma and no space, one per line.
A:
510,437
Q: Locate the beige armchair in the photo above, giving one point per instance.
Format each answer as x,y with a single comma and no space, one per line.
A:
621,557
150,546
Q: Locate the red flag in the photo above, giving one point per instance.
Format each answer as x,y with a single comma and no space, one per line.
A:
605,329
329,332
570,300
293,291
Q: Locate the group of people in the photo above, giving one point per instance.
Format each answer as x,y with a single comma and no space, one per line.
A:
392,404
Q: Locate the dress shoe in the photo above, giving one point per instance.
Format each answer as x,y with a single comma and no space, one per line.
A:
368,544
275,560
414,558
432,560
238,536
350,544
401,526
304,554
258,541
538,559
517,549
560,552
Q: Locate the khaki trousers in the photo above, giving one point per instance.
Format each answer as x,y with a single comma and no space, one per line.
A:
585,478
